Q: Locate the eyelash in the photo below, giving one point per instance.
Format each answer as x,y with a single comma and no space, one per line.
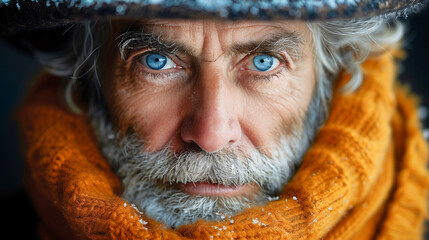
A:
157,76
257,77
266,77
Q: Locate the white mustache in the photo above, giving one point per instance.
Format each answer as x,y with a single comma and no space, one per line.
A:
230,167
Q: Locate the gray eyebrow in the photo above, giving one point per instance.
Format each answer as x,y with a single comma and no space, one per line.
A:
290,42
135,40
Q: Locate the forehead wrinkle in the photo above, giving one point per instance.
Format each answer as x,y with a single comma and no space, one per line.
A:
213,47
161,27
220,24
272,25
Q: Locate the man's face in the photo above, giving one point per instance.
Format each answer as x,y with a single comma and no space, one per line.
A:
208,112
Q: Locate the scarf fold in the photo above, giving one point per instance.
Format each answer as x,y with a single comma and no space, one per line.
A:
364,177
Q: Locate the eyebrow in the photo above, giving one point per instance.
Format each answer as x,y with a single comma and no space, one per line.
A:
290,42
135,40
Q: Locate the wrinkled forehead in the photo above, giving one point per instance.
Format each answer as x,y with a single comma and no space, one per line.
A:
172,26
197,36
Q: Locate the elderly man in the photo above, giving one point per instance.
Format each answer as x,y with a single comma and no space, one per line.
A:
195,128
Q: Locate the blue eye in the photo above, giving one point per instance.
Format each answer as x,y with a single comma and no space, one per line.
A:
264,62
157,61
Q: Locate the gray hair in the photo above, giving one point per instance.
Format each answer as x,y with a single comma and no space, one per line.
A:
337,45
345,44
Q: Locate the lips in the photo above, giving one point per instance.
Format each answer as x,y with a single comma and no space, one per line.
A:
214,189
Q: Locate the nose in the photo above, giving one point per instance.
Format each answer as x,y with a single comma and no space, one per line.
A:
212,122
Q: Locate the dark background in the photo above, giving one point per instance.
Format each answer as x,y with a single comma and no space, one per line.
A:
17,70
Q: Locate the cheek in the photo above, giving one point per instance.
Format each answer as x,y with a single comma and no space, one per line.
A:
281,108
153,116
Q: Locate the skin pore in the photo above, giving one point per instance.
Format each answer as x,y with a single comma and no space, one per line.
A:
229,93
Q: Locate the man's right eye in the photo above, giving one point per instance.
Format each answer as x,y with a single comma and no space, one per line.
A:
156,61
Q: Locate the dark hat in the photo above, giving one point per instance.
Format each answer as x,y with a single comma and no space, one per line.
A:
17,15
43,23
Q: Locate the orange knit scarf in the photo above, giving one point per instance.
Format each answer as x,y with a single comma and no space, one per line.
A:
364,177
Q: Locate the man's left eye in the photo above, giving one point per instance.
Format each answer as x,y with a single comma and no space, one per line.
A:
263,63
156,61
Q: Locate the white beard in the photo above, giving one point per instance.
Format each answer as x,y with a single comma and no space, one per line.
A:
147,178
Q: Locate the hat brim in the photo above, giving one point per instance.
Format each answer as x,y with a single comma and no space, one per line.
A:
19,15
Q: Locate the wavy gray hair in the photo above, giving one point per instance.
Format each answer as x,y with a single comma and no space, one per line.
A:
345,44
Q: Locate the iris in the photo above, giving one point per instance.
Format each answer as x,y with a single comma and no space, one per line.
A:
156,61
263,62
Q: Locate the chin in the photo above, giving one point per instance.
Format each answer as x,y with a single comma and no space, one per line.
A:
174,207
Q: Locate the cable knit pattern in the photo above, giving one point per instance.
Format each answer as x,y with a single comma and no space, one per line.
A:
364,177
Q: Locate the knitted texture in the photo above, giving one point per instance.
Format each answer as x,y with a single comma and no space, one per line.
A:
364,177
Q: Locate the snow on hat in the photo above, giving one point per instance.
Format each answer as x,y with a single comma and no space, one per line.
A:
18,15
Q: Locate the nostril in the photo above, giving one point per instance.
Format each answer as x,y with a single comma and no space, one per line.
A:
192,147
